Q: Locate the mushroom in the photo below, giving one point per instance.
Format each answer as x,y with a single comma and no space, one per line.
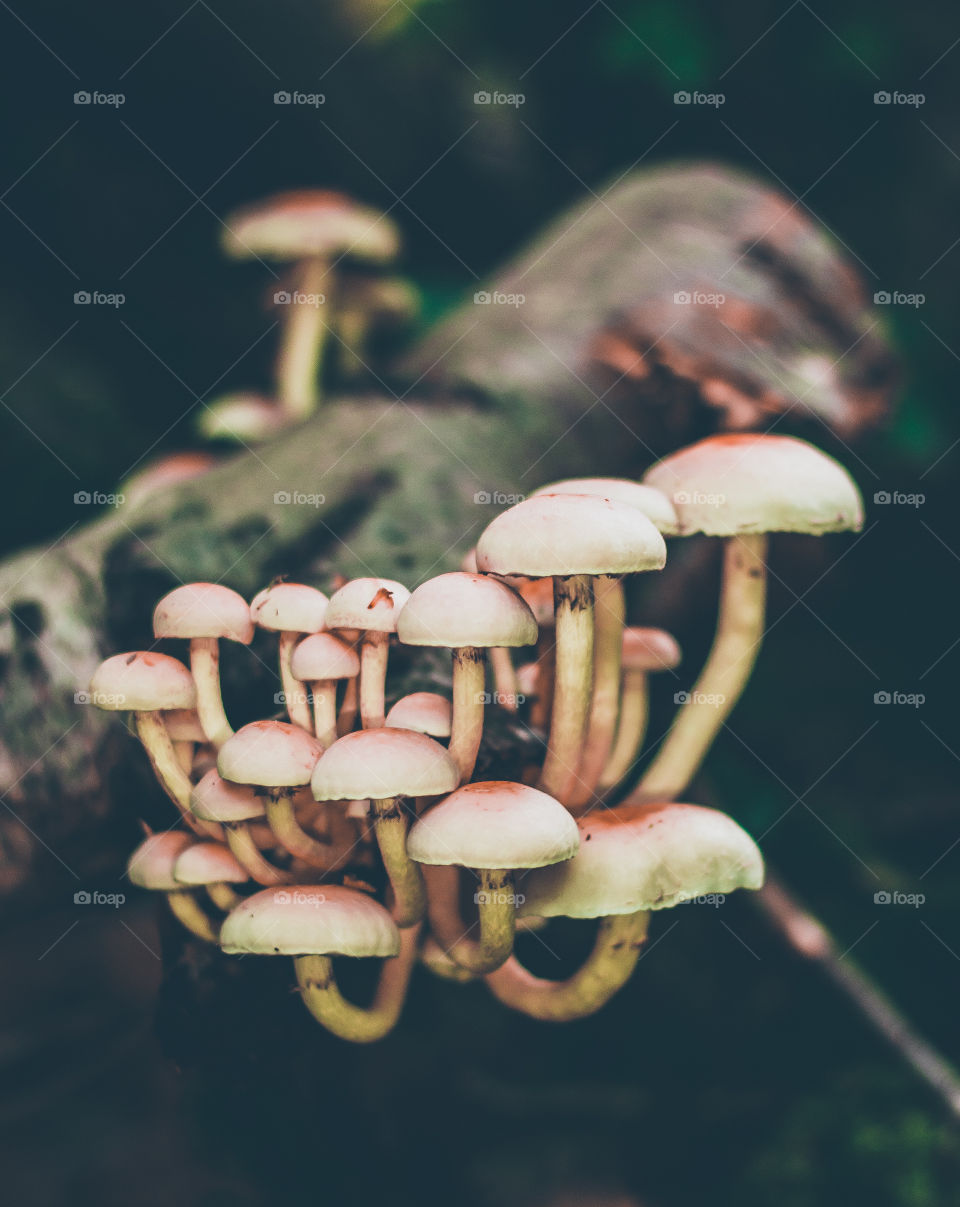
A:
740,487
368,304
186,732
467,613
163,473
572,539
240,418
386,765
233,807
644,651
321,660
315,228
211,866
151,867
632,859
371,605
423,712
313,923
292,610
203,613
494,828
501,663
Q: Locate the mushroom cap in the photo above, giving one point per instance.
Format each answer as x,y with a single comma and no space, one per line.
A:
383,763
738,483
369,604
645,857
203,610
183,725
310,222
570,534
649,650
165,471
240,417
290,608
459,609
322,920
208,863
496,824
423,712
142,682
269,754
653,503
322,656
151,864
216,799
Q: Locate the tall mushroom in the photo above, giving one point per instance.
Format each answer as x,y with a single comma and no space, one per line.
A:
322,660
292,610
371,605
740,487
151,867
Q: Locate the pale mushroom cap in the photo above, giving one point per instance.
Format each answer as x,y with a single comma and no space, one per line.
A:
323,656
459,609
269,754
495,825
216,799
369,604
142,682
208,863
382,763
183,725
291,225
203,610
290,608
423,712
151,864
734,484
570,534
653,503
317,920
649,650
240,417
645,857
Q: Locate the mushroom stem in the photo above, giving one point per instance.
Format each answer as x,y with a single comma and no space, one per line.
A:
294,692
605,971
497,914
360,1025
546,666
184,753
406,879
152,732
185,909
466,728
433,957
609,612
631,729
324,693
374,652
349,707
205,667
247,854
724,675
573,608
504,678
223,896
301,348
291,835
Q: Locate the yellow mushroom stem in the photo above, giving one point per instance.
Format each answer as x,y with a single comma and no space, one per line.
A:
469,697
374,653
205,668
290,834
631,729
186,910
573,611
300,359
406,880
294,692
247,854
496,910
609,612
223,896
153,734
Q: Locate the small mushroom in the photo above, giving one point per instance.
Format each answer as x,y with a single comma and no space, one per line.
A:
240,418
371,605
366,305
322,660
292,610
211,866
423,712
186,733
151,867
233,807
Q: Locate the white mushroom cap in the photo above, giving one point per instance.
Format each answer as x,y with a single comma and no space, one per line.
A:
216,799
289,608
142,682
208,863
423,712
151,864
322,656
318,920
291,225
495,825
269,754
740,483
570,534
383,763
369,604
203,610
653,503
646,857
649,650
460,609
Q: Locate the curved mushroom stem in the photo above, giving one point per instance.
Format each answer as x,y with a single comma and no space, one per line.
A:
223,896
505,678
294,692
374,652
609,612
546,666
469,694
433,957
359,1024
152,732
205,666
496,907
247,854
724,675
291,835
185,909
406,879
606,970
324,692
573,607
301,348
631,729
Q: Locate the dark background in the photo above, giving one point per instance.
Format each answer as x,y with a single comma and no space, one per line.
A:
726,1069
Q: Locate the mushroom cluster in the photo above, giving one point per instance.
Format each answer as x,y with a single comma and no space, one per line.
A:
345,828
